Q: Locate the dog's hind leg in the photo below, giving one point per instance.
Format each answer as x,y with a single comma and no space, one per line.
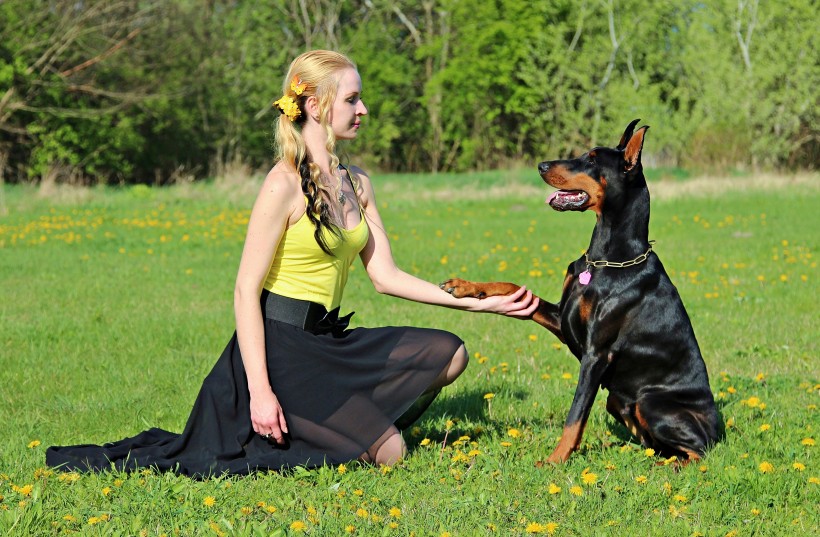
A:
683,430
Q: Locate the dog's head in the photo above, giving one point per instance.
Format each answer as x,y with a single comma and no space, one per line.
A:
585,182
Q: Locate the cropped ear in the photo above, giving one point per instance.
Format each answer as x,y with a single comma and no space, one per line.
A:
627,134
632,151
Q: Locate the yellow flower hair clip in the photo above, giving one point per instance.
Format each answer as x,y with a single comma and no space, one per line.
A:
288,107
297,86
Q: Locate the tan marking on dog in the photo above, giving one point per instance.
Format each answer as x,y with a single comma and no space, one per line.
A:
584,309
570,440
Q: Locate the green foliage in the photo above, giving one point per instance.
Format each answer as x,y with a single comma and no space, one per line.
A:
144,91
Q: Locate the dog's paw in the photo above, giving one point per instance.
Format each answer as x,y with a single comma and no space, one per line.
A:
462,288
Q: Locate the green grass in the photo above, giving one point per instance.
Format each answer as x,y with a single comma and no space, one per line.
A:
116,302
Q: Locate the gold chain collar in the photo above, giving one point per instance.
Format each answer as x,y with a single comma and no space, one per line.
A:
614,264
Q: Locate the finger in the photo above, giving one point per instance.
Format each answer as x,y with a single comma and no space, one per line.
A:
518,294
521,302
283,425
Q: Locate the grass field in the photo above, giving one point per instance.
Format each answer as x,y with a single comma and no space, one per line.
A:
116,303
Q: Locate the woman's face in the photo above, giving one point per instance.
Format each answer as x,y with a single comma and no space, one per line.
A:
348,108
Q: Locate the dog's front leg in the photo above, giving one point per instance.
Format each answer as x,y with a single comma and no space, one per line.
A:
547,315
589,381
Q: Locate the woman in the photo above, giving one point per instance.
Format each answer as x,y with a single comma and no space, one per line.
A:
294,386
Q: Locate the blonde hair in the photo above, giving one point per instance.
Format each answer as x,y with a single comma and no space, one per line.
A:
319,71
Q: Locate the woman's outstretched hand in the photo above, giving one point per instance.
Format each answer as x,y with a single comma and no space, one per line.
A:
267,417
521,304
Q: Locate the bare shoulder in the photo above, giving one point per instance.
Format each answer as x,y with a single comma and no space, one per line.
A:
283,180
281,192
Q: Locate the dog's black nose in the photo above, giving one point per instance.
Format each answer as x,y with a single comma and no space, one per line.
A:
543,167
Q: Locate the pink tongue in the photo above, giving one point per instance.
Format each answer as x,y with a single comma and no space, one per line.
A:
552,197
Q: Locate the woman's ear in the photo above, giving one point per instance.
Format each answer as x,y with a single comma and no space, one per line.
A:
312,107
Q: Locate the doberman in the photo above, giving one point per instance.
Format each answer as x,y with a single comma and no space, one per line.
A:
620,314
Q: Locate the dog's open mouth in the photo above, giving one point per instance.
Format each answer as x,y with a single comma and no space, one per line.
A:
568,200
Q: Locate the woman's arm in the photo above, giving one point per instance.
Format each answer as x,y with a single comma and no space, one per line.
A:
274,208
389,279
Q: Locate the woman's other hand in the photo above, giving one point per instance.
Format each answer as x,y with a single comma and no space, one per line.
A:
267,417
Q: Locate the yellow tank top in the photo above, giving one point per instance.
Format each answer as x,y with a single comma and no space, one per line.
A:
301,270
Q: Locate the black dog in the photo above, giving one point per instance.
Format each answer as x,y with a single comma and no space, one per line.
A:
620,314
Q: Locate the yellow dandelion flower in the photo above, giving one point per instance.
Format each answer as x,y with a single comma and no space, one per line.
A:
425,442
641,479
533,337
814,480
93,520
755,512
514,433
270,509
106,491
535,527
731,389
751,402
362,513
393,525
760,377
298,525
358,492
566,376
576,491
799,466
246,510
649,452
350,529
33,444
506,444
70,518
766,467
341,469
553,488
765,427
395,512
589,478
807,441
445,534
489,396
680,498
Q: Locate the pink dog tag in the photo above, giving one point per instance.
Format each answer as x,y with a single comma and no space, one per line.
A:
584,277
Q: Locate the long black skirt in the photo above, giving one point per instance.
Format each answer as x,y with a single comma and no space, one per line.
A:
339,392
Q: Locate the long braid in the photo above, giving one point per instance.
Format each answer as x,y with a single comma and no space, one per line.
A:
318,211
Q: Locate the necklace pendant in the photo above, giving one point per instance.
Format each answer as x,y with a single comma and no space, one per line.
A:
585,277
342,198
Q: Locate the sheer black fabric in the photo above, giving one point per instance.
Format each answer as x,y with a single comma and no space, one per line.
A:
340,393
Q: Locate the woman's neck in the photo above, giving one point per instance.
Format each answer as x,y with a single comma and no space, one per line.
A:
315,139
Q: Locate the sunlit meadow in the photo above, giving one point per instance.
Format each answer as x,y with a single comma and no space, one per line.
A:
116,303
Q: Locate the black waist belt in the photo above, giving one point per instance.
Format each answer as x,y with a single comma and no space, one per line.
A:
304,314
